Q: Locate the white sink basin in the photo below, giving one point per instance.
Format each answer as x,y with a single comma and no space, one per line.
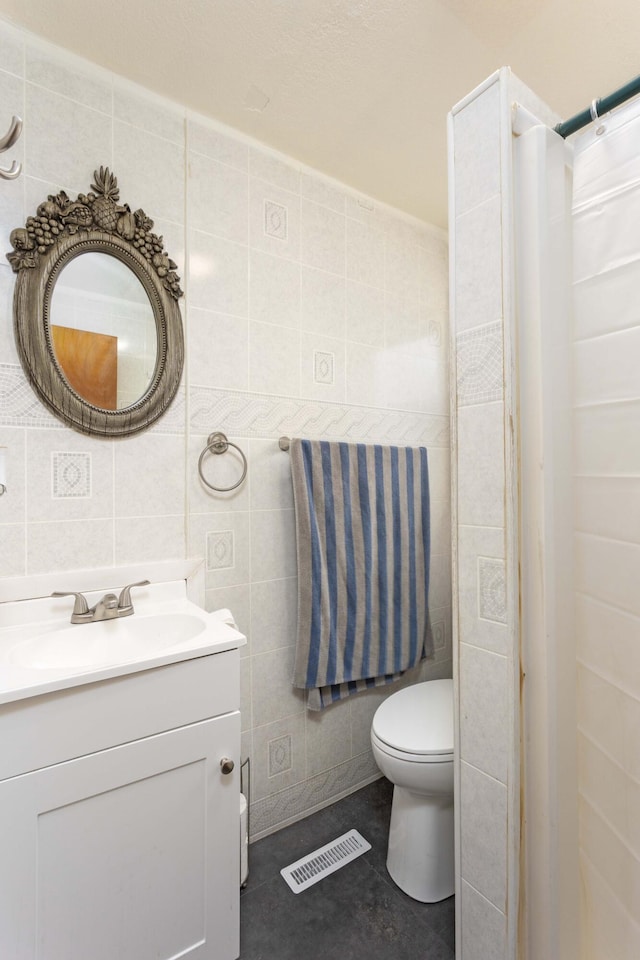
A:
107,642
42,652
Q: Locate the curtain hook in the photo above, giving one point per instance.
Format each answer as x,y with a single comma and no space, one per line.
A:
593,110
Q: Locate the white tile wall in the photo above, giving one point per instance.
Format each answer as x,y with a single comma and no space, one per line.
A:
365,251
274,365
274,290
142,539
322,238
71,148
365,314
483,695
231,336
140,108
478,265
151,169
481,482
322,297
483,840
274,614
211,142
13,555
347,280
218,199
12,50
13,503
82,83
485,933
478,135
218,275
69,545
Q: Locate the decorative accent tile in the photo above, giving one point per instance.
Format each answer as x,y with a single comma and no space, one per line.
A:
259,415
70,475
275,220
279,755
439,633
480,364
492,600
294,803
220,550
323,366
435,333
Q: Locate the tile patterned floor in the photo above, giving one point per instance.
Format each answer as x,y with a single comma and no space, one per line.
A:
356,913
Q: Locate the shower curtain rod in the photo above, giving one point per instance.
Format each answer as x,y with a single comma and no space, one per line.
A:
598,108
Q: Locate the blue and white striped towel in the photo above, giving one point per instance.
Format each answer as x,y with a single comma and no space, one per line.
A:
362,537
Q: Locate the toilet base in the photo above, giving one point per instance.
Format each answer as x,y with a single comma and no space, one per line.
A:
420,857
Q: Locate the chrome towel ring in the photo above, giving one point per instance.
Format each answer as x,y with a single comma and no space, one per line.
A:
217,443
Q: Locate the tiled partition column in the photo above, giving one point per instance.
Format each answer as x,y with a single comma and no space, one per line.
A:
485,518
484,632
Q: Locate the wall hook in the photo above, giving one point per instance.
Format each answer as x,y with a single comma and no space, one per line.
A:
6,143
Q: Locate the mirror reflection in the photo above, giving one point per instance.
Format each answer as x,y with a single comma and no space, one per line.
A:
103,330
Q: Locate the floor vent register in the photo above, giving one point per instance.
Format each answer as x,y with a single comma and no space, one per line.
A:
325,860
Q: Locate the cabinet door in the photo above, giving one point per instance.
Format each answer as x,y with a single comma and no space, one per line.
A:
127,854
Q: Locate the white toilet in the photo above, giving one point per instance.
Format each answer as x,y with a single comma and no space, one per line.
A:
412,740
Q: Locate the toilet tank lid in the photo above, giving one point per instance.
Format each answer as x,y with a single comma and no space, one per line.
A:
418,719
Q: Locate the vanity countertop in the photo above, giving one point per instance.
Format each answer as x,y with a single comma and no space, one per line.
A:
41,652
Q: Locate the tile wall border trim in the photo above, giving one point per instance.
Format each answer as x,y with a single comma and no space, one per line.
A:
246,414
270,814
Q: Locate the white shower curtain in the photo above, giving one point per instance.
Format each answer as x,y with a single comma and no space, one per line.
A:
606,440
550,919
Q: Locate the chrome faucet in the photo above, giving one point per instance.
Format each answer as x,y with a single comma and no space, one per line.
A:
108,608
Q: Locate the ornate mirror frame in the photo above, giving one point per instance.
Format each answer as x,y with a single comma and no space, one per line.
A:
61,230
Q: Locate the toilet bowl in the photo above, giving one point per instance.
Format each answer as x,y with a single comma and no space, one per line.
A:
412,741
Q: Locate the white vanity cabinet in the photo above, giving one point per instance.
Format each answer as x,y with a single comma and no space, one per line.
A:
119,829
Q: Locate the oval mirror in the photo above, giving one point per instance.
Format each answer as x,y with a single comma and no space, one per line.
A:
103,331
96,318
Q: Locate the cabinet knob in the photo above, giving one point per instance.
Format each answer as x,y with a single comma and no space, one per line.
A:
226,765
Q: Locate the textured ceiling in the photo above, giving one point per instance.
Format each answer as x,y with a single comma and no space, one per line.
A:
359,89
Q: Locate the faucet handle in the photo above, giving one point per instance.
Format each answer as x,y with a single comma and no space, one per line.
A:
125,605
80,607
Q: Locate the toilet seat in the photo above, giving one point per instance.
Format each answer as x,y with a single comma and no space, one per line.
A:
411,757
416,723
